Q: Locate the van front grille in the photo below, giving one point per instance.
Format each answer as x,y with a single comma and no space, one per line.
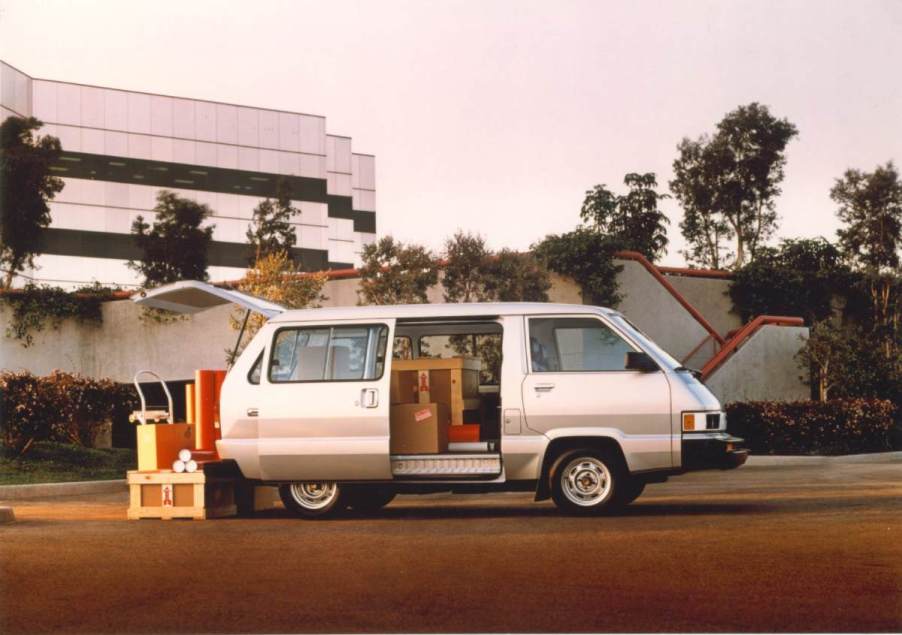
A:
712,421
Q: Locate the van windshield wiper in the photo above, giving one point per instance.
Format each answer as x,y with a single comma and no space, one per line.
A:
694,371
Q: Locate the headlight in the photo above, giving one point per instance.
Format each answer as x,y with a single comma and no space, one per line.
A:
700,421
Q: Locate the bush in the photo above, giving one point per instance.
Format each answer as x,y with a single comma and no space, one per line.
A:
842,426
61,407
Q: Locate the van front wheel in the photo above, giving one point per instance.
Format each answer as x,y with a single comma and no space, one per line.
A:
585,482
313,499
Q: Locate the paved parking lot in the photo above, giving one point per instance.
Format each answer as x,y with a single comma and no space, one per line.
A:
815,546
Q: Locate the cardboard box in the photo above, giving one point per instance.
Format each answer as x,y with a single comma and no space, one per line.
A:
464,371
403,386
419,428
159,444
452,381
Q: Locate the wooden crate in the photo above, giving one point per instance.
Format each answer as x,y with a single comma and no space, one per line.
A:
165,494
457,386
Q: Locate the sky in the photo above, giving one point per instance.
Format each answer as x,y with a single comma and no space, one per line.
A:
495,116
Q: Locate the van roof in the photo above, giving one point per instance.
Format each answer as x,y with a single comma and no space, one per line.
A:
427,311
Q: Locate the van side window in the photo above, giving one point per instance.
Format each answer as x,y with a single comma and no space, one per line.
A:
574,345
340,353
485,347
403,348
253,375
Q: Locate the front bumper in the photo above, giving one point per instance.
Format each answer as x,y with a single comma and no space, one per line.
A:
712,451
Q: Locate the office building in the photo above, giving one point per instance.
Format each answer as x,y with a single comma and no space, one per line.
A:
121,147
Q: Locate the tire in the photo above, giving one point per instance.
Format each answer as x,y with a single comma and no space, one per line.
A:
631,490
588,482
366,499
313,499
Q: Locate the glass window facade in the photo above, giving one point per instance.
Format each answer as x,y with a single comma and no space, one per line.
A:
122,147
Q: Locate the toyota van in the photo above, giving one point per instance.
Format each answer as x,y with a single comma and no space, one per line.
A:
570,402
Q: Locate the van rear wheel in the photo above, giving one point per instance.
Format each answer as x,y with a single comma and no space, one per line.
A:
586,482
313,499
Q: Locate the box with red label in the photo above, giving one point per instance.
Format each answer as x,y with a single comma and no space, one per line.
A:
418,428
452,381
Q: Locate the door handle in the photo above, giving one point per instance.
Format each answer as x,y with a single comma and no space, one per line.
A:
370,398
253,412
543,387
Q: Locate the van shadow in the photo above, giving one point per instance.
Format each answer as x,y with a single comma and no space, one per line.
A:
453,512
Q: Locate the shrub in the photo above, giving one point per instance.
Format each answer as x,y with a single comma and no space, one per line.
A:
842,426
61,407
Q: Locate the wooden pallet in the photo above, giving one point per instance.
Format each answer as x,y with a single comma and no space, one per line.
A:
166,495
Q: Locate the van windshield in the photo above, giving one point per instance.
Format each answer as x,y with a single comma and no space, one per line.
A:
646,342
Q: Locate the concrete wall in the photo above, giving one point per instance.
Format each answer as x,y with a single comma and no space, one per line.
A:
654,310
123,344
711,297
764,368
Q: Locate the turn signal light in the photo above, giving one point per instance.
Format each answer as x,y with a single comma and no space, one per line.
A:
688,422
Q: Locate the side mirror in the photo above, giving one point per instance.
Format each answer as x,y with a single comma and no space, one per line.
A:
641,362
274,362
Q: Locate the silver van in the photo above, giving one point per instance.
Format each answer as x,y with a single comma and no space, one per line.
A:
573,403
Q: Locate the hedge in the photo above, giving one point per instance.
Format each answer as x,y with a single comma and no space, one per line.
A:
841,426
61,407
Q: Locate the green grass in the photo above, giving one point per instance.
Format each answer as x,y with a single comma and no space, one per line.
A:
57,462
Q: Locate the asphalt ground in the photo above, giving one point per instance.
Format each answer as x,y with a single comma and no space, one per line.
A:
812,547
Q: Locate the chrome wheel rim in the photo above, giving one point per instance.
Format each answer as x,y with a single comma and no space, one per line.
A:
314,495
586,481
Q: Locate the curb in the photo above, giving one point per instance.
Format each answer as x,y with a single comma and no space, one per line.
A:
6,515
48,490
763,460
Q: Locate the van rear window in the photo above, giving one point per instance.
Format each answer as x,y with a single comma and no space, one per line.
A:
340,353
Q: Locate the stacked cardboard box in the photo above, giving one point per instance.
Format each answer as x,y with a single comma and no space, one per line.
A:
428,395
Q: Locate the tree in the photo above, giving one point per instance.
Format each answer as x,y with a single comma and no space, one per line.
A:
467,265
26,186
844,363
727,185
587,257
827,355
801,277
175,247
395,273
271,230
472,273
870,205
275,277
516,277
633,220
706,232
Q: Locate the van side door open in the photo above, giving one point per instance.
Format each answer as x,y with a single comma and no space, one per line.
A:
577,379
324,402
